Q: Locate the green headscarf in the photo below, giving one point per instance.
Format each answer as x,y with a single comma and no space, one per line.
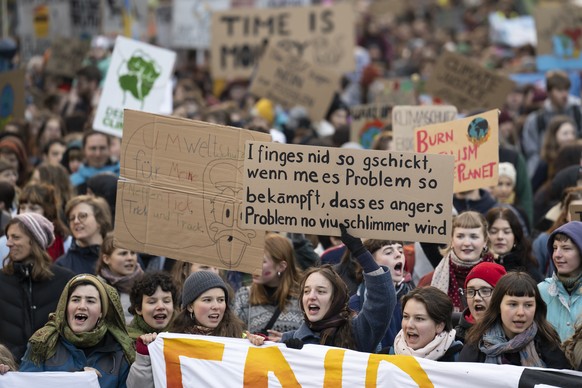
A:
43,343
139,327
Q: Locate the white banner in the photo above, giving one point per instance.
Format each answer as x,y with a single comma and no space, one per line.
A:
191,22
49,379
180,360
137,79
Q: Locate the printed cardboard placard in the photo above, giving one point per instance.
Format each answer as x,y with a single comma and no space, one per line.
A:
136,79
381,7
67,56
394,91
191,21
406,118
558,30
281,3
474,143
368,121
11,96
575,212
376,194
289,80
180,192
466,84
322,35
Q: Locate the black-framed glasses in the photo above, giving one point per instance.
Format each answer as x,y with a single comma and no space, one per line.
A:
484,292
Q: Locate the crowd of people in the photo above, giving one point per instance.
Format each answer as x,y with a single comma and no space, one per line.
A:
506,289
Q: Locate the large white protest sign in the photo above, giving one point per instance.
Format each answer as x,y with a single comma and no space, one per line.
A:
136,79
49,379
181,360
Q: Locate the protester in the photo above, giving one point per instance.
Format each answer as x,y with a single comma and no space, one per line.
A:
327,318
573,348
86,332
205,311
29,285
562,293
182,269
154,302
97,159
514,329
270,306
427,329
119,268
479,286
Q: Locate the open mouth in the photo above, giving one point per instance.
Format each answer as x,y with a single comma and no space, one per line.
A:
160,317
480,308
399,267
81,318
313,309
214,316
412,336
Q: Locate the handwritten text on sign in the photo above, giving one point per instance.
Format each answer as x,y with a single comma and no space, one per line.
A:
377,194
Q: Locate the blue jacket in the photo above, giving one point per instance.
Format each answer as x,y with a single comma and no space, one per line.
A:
85,172
370,325
107,358
563,308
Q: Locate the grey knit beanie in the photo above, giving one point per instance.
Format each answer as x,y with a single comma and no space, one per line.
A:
200,282
41,229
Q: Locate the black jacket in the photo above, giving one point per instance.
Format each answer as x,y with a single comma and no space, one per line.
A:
26,304
463,327
80,259
550,354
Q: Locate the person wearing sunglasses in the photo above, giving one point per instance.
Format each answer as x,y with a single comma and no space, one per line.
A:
479,286
89,221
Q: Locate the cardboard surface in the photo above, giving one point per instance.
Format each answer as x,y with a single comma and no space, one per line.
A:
191,21
322,35
180,192
558,31
465,84
136,79
67,56
368,121
406,118
575,211
474,143
289,81
11,96
394,91
378,194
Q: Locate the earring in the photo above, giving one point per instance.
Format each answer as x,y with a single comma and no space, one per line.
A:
279,274
485,249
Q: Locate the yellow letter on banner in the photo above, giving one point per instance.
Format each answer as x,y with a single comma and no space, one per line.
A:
192,348
333,368
261,361
408,364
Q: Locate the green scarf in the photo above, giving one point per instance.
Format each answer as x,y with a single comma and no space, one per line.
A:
43,343
571,283
138,326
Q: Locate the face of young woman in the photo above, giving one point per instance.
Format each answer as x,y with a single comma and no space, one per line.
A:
566,258
502,237
269,275
27,207
157,309
478,303
392,256
9,176
566,134
83,308
18,243
418,327
517,314
503,189
468,243
84,226
209,307
122,262
317,296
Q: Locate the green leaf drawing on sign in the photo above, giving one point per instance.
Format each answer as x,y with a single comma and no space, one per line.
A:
140,76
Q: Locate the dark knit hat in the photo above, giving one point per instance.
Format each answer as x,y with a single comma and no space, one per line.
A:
573,230
489,272
200,282
41,229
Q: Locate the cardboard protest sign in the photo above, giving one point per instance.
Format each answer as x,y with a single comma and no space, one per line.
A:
474,143
180,192
377,194
466,84
39,22
191,21
368,121
11,96
406,118
575,211
67,56
136,79
559,33
289,80
394,91
381,7
281,3
322,35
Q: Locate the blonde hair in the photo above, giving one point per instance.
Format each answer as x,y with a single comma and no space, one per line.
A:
573,347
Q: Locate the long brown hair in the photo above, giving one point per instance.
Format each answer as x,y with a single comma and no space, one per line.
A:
572,347
279,249
514,284
343,337
522,244
41,269
45,196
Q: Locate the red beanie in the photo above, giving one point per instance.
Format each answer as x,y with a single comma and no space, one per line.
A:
489,272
